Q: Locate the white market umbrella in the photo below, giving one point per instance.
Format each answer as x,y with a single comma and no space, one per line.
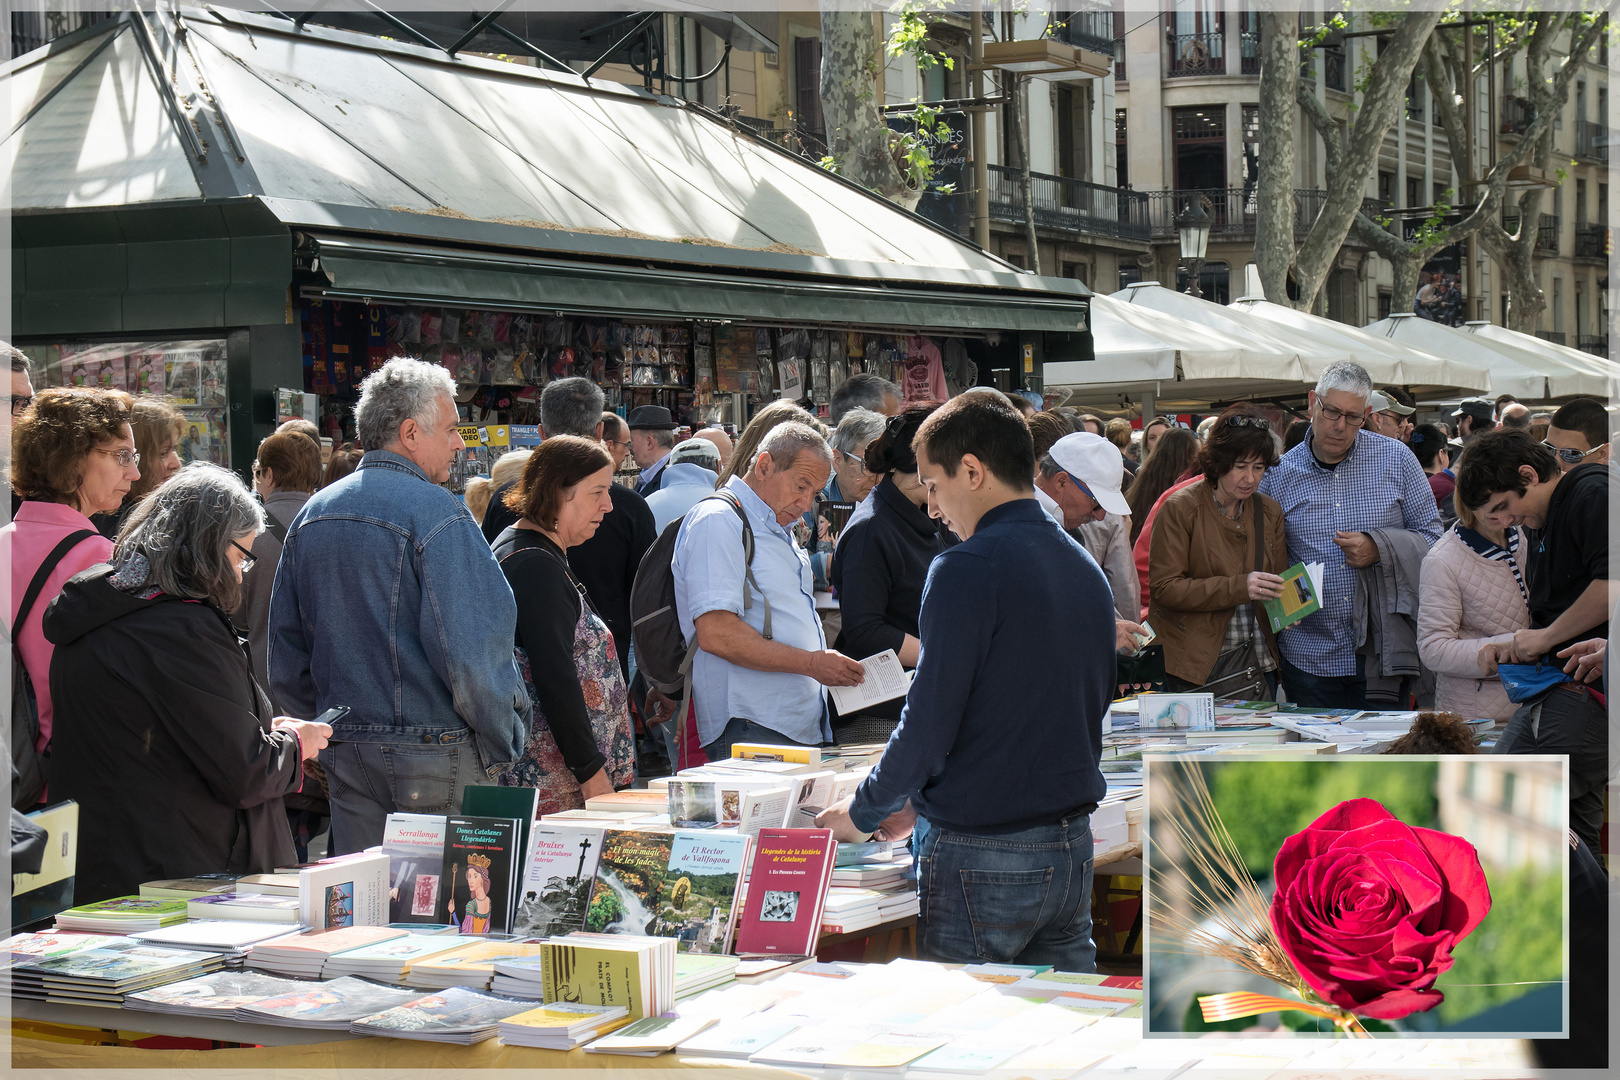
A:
1526,375
1385,360
1140,349
1600,366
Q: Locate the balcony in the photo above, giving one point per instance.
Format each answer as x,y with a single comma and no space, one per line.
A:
1597,344
1591,241
1546,233
1591,141
1557,337
1249,46
1089,29
1119,59
1232,211
1516,116
1197,54
1070,205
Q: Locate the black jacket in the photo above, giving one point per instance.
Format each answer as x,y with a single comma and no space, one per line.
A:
878,572
163,739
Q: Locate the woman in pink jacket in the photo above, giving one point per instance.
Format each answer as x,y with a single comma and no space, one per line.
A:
1472,594
72,455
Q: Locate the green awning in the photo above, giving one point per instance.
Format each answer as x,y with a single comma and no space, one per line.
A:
367,270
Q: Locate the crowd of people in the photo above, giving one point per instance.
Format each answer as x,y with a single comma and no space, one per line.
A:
1015,559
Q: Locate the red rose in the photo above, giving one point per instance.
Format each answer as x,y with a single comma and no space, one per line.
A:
1369,908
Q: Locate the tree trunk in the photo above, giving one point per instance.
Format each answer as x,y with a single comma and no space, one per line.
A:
1015,122
857,138
1274,191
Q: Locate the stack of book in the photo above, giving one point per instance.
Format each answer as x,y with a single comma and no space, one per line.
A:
651,1036
305,955
876,874
189,888
230,938
217,995
29,948
104,974
123,914
694,973
562,1025
253,907
281,883
605,969
457,1015
468,966
329,1006
390,961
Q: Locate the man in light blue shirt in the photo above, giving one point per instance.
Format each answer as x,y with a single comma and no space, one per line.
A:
1338,483
751,685
694,469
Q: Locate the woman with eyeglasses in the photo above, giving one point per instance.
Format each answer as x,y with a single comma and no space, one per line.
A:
157,710
1218,551
72,455
850,482
156,425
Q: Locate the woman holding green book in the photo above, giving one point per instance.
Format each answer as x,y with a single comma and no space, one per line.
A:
1218,550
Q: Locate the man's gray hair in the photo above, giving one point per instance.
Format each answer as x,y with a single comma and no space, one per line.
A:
664,437
787,440
571,406
184,530
1347,376
20,364
861,391
402,389
856,429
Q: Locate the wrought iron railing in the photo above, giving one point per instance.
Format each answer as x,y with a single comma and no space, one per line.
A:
1061,202
1591,241
1546,231
1090,29
1516,116
1197,54
1557,337
1249,48
1594,343
1232,210
1591,140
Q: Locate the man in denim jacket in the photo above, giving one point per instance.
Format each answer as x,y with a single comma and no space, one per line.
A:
388,600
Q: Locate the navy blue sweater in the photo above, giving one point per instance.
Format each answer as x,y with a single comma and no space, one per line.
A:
1002,728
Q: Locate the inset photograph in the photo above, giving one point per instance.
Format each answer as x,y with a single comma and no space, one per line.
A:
1377,896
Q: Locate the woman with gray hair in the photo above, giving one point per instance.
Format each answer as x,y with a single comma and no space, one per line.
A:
849,484
156,706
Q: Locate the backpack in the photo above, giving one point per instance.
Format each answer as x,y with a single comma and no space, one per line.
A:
663,655
27,763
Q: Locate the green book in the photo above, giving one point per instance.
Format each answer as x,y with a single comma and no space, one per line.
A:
1298,599
478,800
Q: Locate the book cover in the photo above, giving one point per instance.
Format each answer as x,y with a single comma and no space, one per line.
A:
121,961
1299,598
186,888
575,970
414,844
651,1035
1190,711
139,907
448,1011
353,892
787,888
557,886
28,948
337,1002
763,808
679,885
319,943
693,803
220,992
517,803
254,907
481,857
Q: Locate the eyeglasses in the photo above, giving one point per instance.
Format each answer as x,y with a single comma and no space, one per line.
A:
1571,456
859,463
1333,416
247,557
1250,421
19,405
125,458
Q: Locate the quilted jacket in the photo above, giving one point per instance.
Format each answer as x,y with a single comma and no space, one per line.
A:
1466,601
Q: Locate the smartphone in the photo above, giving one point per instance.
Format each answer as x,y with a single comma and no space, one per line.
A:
333,715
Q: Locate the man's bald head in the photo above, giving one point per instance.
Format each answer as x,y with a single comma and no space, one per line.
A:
721,441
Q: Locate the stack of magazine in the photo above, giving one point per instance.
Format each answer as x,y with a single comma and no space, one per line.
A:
306,954
104,974
391,961
217,995
457,1015
231,939
123,915
469,966
327,1006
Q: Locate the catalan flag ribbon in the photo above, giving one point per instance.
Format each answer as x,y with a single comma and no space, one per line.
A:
1236,1005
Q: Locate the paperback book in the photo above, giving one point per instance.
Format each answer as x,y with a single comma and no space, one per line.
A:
189,888
414,844
681,885
122,914
787,889
245,907
557,887
482,867
471,965
391,960
334,1004
562,1025
1300,597
353,892
595,969
218,994
456,1015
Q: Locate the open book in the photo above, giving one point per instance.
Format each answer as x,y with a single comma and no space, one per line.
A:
885,681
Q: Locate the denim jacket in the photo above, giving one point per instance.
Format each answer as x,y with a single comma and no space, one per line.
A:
388,600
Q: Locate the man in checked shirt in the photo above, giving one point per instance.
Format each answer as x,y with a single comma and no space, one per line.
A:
1341,481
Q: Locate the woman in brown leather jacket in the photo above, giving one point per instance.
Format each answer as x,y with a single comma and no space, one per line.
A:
1206,574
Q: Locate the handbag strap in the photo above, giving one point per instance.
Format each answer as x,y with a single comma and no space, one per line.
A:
37,586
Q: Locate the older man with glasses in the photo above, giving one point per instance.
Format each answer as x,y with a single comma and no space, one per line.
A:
1337,489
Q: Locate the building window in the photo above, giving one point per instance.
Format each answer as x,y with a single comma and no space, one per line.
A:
1386,187
1386,303
1439,193
1251,150
1200,142
1214,281
1414,191
1509,780
1129,275
1122,157
807,85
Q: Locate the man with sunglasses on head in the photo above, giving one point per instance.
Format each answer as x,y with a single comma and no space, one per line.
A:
1579,434
1341,491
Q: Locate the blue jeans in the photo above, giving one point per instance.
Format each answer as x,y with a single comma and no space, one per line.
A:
368,781
740,730
1019,898
1326,691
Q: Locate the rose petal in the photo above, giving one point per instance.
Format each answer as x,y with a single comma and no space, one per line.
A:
1469,895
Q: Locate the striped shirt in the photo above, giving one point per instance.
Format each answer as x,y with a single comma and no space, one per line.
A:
1487,550
1377,485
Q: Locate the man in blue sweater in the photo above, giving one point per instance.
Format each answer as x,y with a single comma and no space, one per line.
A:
998,744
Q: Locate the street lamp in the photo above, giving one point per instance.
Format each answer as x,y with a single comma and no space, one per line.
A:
1192,226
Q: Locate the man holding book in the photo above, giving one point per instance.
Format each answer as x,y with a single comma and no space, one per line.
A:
998,744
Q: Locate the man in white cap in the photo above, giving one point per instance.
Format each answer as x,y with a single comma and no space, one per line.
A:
1078,482
1388,417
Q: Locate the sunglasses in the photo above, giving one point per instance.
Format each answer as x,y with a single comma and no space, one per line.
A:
1250,421
1569,456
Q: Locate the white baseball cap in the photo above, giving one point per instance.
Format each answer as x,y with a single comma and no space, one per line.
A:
1095,462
